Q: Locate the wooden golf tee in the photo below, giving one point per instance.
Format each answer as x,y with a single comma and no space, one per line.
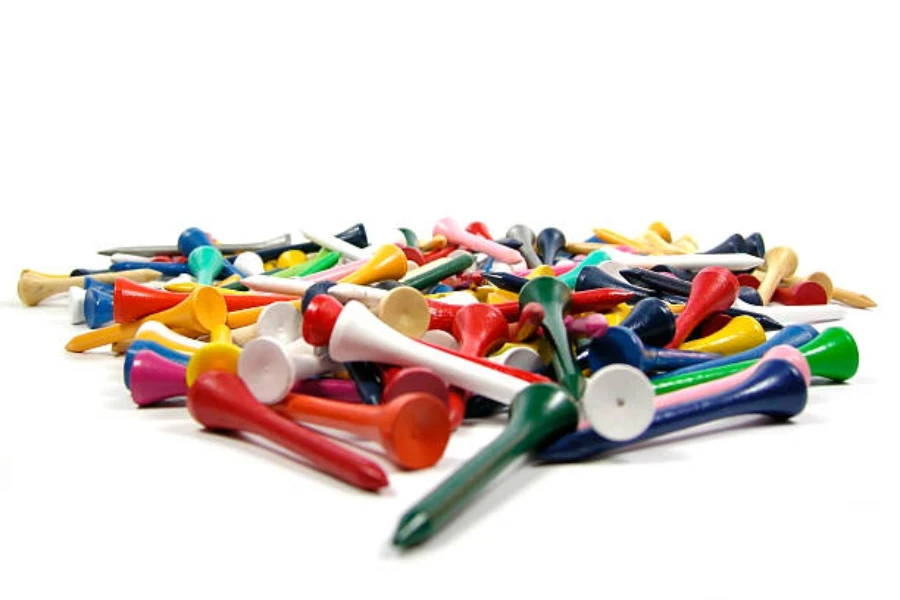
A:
621,345
549,243
832,354
556,297
805,293
205,263
525,235
405,310
714,290
715,386
781,262
133,301
653,321
220,401
35,287
792,335
203,309
137,346
539,414
270,368
455,234
387,262
532,315
570,278
611,237
356,334
739,334
854,299
154,378
432,273
413,428
220,354
480,329
279,320
776,389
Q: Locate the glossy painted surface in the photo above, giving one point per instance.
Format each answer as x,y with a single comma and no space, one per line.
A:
480,329
593,278
319,318
249,263
75,305
781,262
532,315
405,310
281,321
455,234
740,334
792,314
506,281
341,390
319,287
549,243
408,380
526,236
435,271
804,293
595,300
755,244
623,346
98,308
768,322
556,299
777,389
167,269
336,244
832,354
368,295
368,379
716,386
570,278
413,428
157,332
747,280
653,321
133,301
203,309
594,325
387,262
91,283
271,369
618,402
191,238
359,335
750,295
155,378
479,228
290,258
355,235
218,355
688,261
792,335
539,414
714,289
221,402
321,262
151,346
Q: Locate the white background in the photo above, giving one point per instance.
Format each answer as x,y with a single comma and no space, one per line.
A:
124,123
